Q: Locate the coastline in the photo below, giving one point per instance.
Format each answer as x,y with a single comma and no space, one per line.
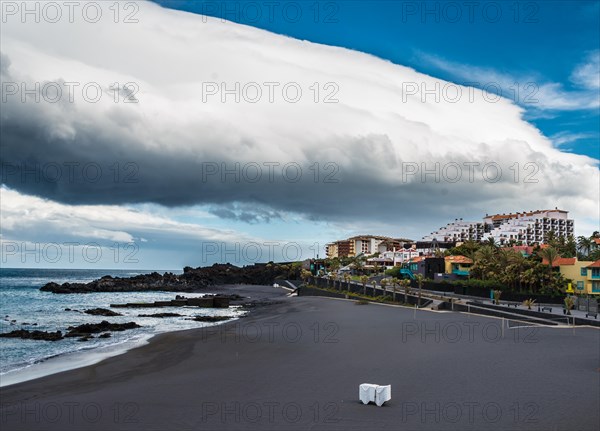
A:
89,356
70,361
296,364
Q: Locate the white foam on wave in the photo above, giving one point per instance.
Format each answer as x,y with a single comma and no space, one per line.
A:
82,358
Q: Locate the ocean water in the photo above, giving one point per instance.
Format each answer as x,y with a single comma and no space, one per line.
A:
22,305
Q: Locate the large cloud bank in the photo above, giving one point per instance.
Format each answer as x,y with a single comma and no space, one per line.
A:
173,146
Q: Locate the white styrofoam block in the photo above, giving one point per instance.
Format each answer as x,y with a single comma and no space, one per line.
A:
383,394
368,392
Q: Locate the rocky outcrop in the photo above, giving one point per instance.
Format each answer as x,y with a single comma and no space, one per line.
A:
34,335
92,328
208,301
160,315
102,312
192,279
211,318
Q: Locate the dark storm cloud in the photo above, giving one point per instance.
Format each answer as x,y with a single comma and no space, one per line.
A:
350,160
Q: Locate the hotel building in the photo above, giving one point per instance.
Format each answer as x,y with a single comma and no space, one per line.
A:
366,245
525,227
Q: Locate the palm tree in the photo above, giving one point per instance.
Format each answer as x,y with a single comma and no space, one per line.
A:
383,284
335,278
347,280
358,263
420,279
584,244
305,275
550,254
497,295
550,237
406,284
491,242
569,304
376,267
364,280
439,253
394,283
529,278
485,259
331,277
374,283
511,267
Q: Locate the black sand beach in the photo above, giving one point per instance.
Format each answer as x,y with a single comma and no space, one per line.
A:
297,364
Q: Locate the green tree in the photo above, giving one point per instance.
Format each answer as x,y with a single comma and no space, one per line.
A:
406,285
364,280
305,275
347,278
550,254
394,282
585,246
420,279
485,262
335,265
358,263
467,248
384,283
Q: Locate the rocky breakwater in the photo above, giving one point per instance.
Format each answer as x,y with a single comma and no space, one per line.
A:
84,332
192,279
208,301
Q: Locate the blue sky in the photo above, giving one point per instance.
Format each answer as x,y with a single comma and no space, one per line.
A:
527,42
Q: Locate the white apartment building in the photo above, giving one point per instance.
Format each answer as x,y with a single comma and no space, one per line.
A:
458,231
527,227
390,259
365,245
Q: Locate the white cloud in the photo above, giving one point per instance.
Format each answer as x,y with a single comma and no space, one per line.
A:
531,91
375,128
33,218
587,74
561,138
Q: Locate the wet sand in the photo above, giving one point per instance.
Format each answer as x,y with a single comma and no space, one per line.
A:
297,364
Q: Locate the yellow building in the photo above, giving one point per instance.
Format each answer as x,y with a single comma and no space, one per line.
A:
458,265
584,274
592,281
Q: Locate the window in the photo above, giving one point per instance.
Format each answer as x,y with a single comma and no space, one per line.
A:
580,285
365,247
595,286
583,272
595,272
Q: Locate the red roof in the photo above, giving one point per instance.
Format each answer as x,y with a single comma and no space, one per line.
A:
458,259
594,265
417,259
561,261
528,213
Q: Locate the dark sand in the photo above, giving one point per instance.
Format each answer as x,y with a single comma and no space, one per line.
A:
298,365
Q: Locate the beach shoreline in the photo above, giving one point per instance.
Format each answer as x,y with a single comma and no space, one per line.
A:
86,357
297,364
